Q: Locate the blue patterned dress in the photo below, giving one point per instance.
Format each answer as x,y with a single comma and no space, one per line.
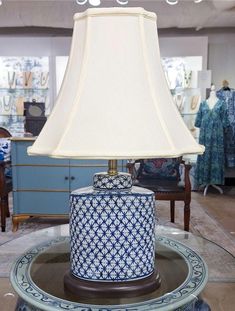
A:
228,96
212,122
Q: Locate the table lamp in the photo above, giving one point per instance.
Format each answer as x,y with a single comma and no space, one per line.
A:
114,104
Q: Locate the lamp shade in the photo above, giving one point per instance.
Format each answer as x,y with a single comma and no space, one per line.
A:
114,102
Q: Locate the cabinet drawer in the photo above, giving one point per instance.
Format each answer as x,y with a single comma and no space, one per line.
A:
100,165
41,178
20,156
83,176
84,162
50,203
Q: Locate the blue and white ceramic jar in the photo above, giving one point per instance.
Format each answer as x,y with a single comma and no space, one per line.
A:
112,230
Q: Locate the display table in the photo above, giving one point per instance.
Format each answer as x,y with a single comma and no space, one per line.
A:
38,276
214,255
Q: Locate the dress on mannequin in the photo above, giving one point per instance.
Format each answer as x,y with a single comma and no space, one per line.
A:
212,119
227,94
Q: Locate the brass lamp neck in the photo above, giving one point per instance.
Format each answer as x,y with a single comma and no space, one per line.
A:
112,170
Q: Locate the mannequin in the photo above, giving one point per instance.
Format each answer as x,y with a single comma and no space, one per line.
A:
214,186
212,120
227,95
212,99
225,85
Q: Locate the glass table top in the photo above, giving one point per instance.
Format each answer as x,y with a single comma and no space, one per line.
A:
57,258
48,269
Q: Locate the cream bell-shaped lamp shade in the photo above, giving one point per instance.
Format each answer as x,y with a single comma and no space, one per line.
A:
114,102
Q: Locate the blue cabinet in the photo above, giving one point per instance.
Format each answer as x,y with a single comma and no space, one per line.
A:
41,185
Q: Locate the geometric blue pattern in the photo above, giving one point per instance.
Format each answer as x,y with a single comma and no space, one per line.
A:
115,182
5,149
197,305
112,234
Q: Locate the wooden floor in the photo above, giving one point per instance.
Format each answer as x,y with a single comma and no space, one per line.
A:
219,295
221,207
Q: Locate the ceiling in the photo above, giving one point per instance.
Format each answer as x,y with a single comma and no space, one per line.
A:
59,13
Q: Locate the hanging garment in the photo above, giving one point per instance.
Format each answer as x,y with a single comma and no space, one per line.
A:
212,122
228,96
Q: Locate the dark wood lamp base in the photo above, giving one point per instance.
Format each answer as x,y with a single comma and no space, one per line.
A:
95,289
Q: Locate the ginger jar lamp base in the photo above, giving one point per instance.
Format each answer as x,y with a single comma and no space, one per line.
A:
112,239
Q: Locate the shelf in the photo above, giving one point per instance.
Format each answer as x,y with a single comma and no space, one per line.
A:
189,114
12,115
23,89
180,89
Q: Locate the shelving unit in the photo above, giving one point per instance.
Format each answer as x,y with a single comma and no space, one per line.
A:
22,79
12,117
188,101
182,75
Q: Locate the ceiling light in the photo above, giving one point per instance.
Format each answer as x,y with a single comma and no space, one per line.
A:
123,2
81,2
98,2
0,2
172,2
94,2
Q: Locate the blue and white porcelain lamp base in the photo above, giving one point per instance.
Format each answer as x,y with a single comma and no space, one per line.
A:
112,239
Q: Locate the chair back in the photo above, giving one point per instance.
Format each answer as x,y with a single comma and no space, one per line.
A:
5,144
159,168
4,133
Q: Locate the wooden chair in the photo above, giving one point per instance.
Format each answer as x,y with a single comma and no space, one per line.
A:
5,185
166,188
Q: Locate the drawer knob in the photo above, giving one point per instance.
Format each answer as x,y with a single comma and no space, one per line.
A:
72,177
66,178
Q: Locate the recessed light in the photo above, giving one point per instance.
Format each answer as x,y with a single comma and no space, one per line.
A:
123,2
94,2
172,2
81,2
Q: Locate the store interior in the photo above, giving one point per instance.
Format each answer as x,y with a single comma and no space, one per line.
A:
194,192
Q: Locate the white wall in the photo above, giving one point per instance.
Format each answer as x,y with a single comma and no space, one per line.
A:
221,58
37,46
184,46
